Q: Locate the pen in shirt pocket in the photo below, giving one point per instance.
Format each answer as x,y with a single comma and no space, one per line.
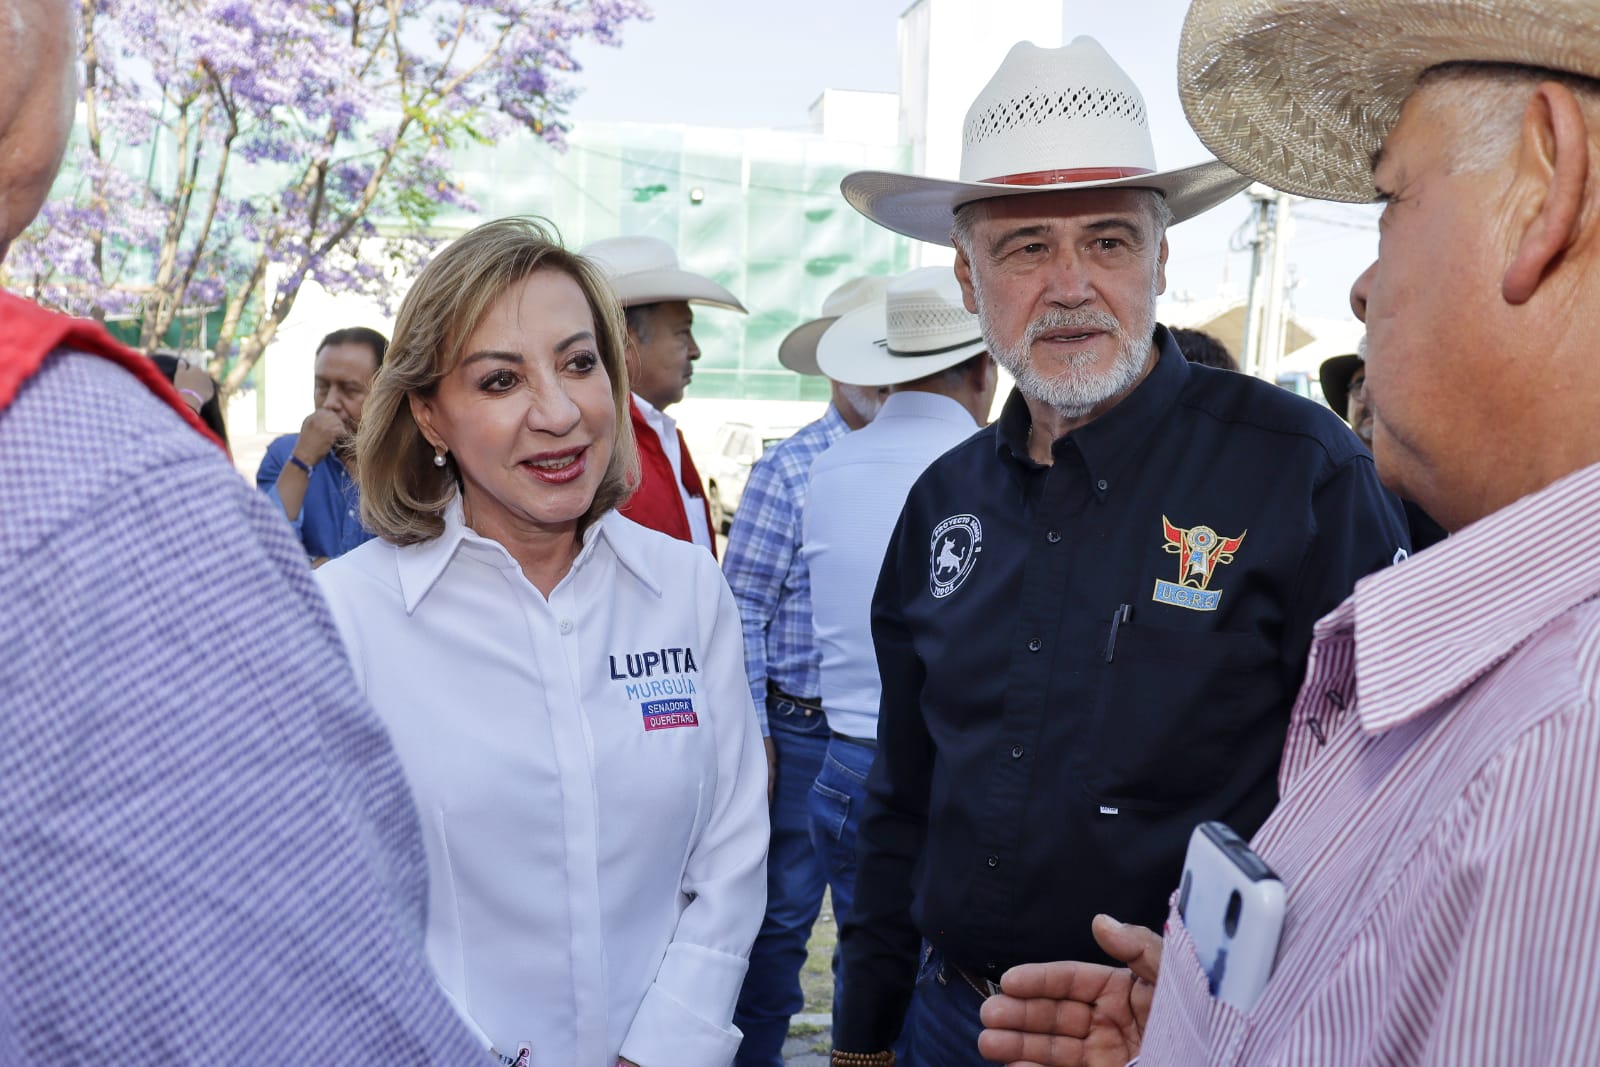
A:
1118,617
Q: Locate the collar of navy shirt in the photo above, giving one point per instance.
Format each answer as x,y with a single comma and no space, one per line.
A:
1112,441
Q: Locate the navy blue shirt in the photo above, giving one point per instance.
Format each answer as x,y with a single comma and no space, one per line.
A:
329,523
1082,661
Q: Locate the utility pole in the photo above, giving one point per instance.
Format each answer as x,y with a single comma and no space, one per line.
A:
1259,207
1266,312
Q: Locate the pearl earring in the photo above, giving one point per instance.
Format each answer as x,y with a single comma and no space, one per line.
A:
438,458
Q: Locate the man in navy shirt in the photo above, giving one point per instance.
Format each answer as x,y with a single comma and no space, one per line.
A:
1093,616
308,474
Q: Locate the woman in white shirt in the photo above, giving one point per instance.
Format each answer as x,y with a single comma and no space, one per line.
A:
565,688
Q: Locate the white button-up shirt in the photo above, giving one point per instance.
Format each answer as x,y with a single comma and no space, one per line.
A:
590,781
858,487
666,428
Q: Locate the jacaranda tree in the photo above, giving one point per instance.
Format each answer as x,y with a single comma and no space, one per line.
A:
230,150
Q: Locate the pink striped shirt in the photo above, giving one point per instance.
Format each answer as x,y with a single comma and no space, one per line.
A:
1439,829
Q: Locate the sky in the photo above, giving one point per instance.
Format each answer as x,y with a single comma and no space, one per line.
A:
760,63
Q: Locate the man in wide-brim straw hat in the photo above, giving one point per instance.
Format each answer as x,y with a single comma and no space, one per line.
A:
1093,615
656,295
1439,832
921,340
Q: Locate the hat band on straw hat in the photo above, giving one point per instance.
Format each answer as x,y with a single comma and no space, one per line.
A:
1067,177
926,351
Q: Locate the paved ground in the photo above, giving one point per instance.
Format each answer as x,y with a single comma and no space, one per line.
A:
808,1041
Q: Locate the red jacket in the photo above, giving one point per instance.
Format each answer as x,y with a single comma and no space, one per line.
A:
657,502
29,333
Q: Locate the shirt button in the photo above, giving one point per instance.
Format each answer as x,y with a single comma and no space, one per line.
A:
1035,645
1016,752
1054,537
1101,485
566,626
994,861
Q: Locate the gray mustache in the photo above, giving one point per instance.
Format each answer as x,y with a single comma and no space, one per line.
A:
1063,319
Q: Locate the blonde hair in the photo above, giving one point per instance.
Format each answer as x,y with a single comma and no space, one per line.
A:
403,493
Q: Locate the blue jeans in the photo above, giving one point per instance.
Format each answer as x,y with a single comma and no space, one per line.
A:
835,809
771,991
942,1026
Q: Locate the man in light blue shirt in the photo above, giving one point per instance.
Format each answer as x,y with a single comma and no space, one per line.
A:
769,584
925,343
308,474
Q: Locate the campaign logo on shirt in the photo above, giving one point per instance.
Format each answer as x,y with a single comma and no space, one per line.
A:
668,714
657,675
1200,551
952,552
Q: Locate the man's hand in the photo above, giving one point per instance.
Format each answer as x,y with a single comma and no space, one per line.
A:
772,768
318,434
1075,1014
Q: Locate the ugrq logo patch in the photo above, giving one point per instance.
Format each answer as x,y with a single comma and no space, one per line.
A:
668,714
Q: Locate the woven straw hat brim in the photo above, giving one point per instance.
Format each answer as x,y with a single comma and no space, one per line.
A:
798,350
924,208
852,351
1300,94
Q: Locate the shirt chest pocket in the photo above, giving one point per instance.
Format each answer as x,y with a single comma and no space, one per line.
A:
1190,1025
1174,708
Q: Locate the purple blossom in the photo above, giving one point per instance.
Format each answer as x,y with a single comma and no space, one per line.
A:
284,113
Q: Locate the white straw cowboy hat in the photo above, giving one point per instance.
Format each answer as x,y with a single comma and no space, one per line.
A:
1301,93
919,327
644,270
798,351
1050,119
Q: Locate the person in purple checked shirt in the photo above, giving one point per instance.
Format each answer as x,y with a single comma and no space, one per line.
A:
1439,825
208,852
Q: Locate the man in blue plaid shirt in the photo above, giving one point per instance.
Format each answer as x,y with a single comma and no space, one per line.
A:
769,583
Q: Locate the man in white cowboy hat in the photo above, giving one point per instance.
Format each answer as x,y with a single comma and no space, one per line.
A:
656,294
923,342
771,587
1093,616
1440,826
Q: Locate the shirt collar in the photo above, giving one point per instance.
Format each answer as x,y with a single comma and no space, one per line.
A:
1428,628
421,565
657,418
918,404
1112,439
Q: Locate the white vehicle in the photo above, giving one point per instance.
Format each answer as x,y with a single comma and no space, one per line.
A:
738,446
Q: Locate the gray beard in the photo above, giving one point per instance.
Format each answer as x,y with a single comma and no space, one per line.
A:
1077,389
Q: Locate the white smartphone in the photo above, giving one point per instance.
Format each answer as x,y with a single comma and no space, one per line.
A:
1232,905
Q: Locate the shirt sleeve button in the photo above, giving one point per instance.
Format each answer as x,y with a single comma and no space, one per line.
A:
1035,645
1016,751
566,626
994,861
1054,537
1101,485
